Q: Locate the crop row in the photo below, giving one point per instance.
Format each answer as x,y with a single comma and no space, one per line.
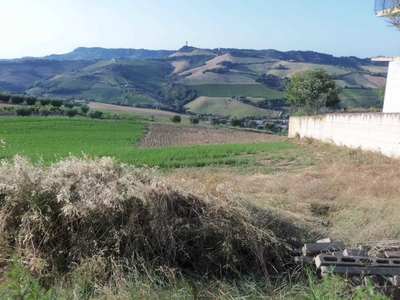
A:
54,138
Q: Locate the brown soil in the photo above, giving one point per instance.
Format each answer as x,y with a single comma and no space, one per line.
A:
160,135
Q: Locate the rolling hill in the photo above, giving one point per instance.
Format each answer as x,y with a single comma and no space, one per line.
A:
173,79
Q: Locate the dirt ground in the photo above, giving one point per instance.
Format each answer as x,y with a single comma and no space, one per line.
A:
160,135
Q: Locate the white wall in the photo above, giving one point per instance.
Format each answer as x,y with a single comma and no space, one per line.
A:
370,131
392,91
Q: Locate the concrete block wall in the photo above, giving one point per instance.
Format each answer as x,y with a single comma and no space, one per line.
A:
369,131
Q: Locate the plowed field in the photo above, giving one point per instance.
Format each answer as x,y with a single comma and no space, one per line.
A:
162,135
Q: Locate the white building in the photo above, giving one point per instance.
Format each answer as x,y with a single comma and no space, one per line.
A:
391,102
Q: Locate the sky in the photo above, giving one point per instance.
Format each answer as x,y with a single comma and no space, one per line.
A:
338,27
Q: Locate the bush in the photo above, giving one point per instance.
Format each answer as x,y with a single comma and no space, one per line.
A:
114,116
4,97
44,101
56,102
44,112
215,121
234,121
94,114
85,108
69,112
30,100
22,111
17,99
194,120
176,119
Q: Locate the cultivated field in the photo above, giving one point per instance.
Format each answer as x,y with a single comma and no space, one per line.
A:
227,107
161,135
129,109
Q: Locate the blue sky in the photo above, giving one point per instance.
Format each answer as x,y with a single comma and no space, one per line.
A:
340,27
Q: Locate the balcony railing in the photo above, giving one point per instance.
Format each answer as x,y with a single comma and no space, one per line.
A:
382,7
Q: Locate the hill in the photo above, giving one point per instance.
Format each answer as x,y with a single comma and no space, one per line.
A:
84,53
172,79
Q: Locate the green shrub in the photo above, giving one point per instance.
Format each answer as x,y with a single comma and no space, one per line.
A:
70,112
94,114
22,111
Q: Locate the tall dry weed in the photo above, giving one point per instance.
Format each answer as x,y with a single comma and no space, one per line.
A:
83,214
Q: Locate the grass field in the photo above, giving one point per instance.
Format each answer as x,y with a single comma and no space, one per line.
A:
227,107
56,137
363,98
103,93
226,90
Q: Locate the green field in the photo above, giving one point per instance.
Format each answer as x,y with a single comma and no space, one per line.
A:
227,107
56,137
363,98
227,90
103,93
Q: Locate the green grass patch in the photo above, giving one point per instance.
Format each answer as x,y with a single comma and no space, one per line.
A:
229,90
56,137
104,93
137,98
364,98
207,155
227,107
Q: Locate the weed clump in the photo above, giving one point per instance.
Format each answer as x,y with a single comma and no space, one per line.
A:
93,214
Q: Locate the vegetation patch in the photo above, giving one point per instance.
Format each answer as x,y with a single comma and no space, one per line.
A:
229,90
100,219
227,107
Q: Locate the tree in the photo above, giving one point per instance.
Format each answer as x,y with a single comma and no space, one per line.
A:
44,112
269,126
176,119
69,112
23,111
215,121
4,97
95,114
251,124
17,99
234,121
313,89
194,120
44,101
30,100
56,102
85,108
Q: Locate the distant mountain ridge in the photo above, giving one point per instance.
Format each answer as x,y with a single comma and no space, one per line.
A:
98,53
84,53
224,81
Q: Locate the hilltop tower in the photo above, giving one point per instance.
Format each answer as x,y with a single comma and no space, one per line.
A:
391,103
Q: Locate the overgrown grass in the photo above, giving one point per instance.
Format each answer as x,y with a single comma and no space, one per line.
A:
95,224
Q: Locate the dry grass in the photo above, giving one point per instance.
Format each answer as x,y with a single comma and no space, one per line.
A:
342,193
94,217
